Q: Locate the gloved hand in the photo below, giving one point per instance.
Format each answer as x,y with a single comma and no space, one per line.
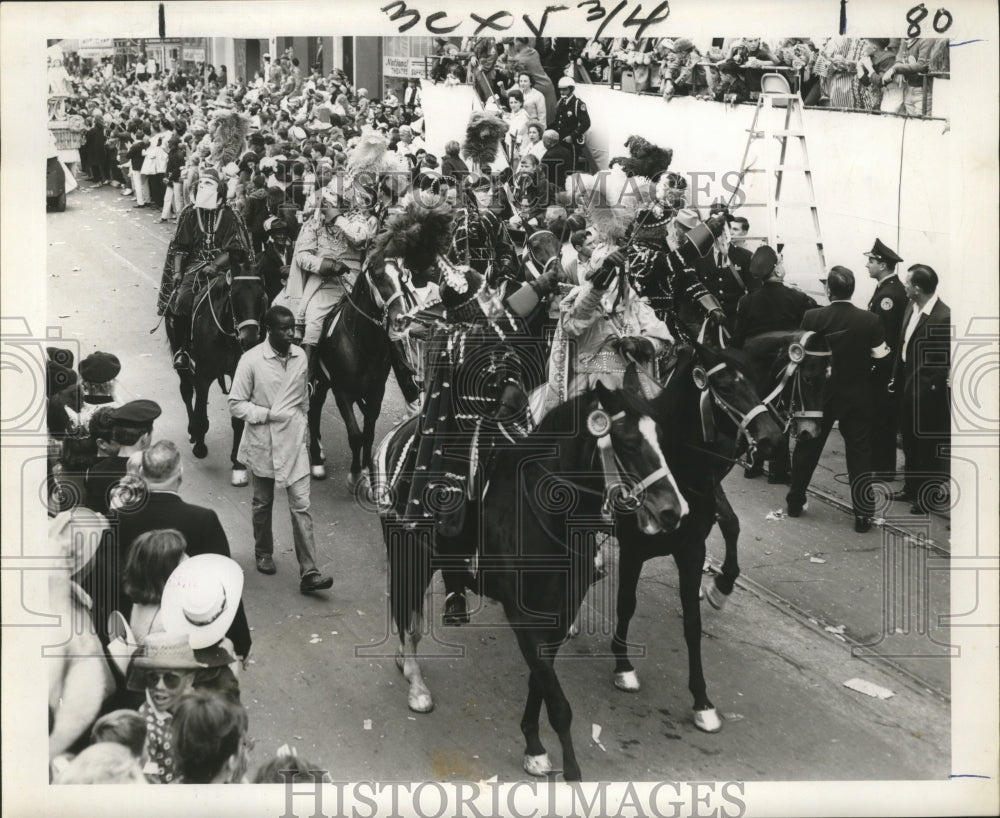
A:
178,277
603,276
548,283
637,347
332,267
716,318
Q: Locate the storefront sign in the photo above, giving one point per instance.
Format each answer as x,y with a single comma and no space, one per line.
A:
403,67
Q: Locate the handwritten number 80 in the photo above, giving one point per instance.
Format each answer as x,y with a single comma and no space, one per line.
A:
942,20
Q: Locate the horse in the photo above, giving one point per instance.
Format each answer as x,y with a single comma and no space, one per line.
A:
354,358
790,369
536,508
706,403
225,322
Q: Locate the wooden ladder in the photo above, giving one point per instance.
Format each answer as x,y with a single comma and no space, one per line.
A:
766,116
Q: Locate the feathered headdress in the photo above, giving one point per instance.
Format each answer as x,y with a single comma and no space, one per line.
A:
483,135
229,131
609,200
644,159
370,159
417,234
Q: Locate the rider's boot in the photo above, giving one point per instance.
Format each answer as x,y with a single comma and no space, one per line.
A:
182,332
310,351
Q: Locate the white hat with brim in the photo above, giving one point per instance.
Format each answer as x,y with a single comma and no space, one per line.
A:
201,597
76,535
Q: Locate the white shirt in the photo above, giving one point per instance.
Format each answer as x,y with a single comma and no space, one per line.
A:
915,318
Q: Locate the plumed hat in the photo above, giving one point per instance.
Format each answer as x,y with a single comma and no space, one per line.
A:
483,135
418,235
644,159
609,200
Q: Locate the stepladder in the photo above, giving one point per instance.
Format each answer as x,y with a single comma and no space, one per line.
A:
778,188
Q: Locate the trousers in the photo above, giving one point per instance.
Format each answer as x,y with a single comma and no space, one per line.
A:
302,524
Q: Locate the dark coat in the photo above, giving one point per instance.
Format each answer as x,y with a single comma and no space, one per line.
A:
889,303
852,334
924,376
203,533
772,308
557,161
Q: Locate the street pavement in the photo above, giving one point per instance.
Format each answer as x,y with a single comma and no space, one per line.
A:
815,601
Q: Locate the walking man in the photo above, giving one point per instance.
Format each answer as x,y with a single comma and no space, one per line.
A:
269,393
858,346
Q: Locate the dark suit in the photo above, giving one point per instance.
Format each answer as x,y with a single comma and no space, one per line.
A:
922,382
852,334
572,120
100,479
557,162
888,303
723,280
740,257
772,308
203,533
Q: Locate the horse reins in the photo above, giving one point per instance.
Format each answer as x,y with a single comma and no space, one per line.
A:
792,375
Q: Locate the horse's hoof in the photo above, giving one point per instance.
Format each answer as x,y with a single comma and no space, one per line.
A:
420,701
574,631
200,450
318,472
708,720
715,597
239,478
355,480
537,765
399,661
628,681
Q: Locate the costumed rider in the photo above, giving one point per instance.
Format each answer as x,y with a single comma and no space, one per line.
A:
478,372
479,238
210,237
328,257
603,323
661,274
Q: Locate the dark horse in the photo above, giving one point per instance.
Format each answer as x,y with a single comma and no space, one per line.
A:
225,322
354,361
707,402
595,455
789,369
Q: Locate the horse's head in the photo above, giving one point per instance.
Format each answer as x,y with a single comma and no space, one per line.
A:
809,359
247,299
543,252
393,288
622,423
721,375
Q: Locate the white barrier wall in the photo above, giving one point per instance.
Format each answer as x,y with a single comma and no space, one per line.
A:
871,173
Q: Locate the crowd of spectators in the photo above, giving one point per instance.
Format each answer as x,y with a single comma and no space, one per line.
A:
847,73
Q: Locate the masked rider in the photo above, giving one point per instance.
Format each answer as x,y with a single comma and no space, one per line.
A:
326,262
207,232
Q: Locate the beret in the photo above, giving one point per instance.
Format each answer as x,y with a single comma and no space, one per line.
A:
100,367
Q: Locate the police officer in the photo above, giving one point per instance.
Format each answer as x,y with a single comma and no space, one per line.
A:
889,304
771,307
857,342
572,120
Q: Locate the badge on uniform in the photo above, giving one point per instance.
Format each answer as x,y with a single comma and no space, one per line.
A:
886,304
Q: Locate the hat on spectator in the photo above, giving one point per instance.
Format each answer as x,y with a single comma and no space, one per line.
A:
763,262
200,598
76,535
173,651
140,412
297,132
100,367
567,82
683,44
882,253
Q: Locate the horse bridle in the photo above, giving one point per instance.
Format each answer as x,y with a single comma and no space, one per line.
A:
709,394
629,497
791,377
404,291
229,279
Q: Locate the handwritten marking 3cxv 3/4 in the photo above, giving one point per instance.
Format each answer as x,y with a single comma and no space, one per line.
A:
595,11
